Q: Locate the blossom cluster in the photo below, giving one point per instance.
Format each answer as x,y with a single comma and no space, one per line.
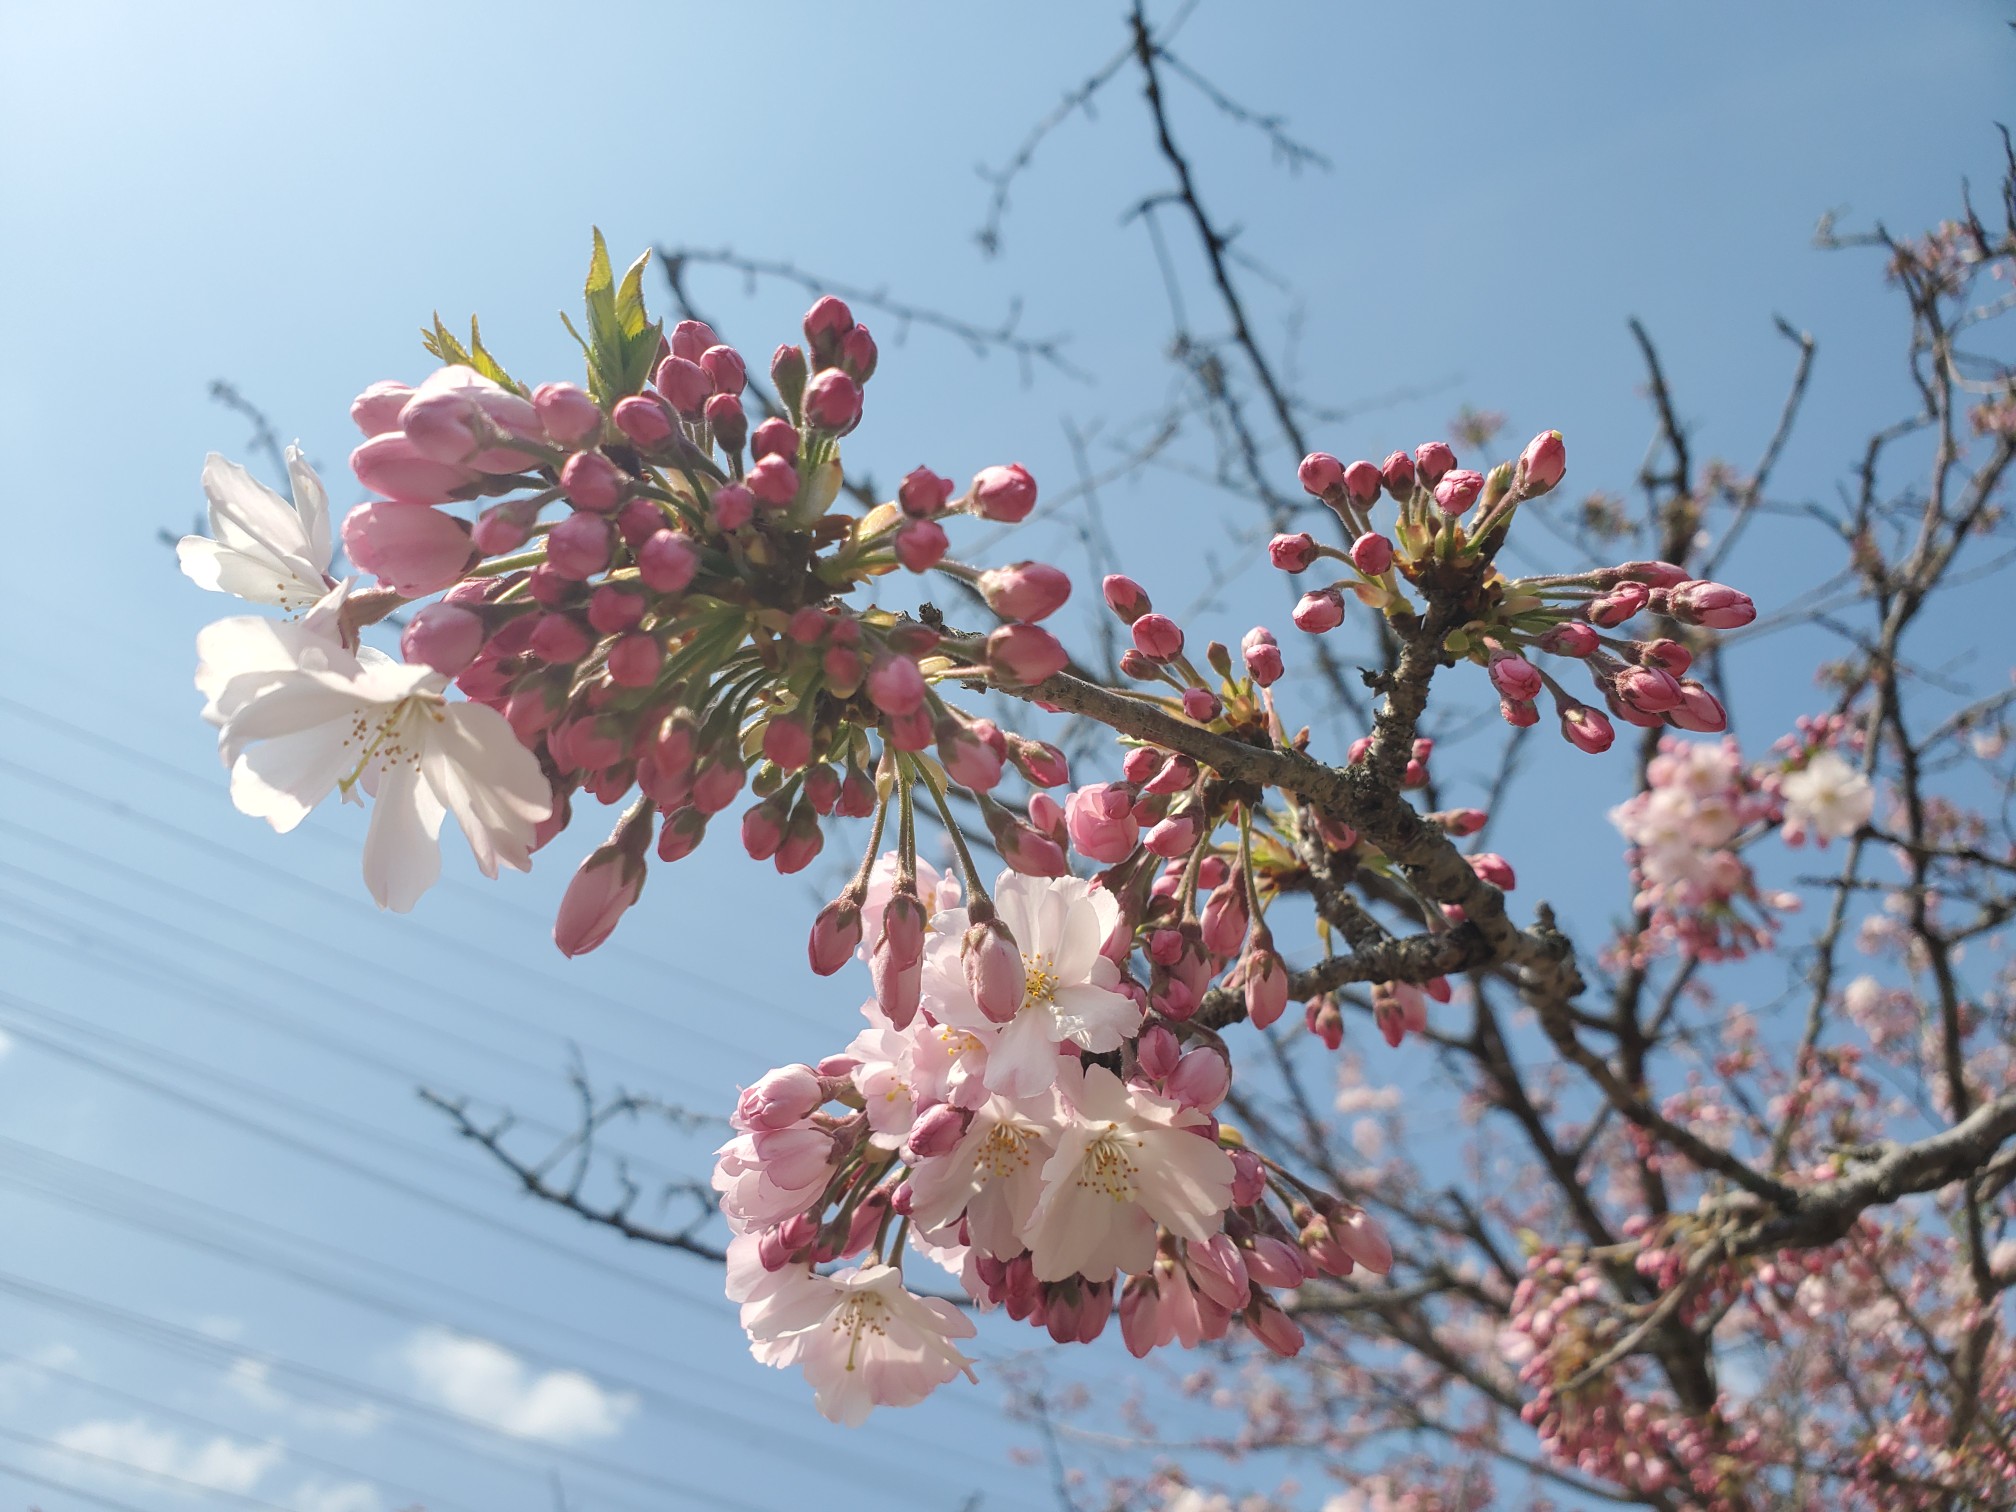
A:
1048,1144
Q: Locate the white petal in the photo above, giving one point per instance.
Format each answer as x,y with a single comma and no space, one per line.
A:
281,780
1023,1061
490,782
402,851
245,513
1094,1017
264,706
311,503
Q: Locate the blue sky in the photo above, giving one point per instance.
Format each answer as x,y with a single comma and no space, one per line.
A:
214,1038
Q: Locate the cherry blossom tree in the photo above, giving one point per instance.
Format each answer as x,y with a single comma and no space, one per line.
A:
1129,1073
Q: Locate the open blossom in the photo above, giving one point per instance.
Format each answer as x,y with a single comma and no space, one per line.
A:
767,1177
1127,1160
862,1339
994,1175
1070,988
1826,798
301,716
260,547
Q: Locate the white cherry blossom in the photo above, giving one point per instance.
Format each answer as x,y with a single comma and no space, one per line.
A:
301,716
260,547
1826,798
994,1174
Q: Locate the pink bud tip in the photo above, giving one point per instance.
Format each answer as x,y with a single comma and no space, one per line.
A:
1587,729
1543,462
1319,611
732,506
1125,597
1158,637
591,481
1321,473
895,686
569,413
832,401
413,550
1263,656
773,481
1292,553
667,562
643,420
634,659
605,887
920,545
1006,493
1362,481
1458,490
922,493
1025,654
1431,460
446,637
1398,473
1372,553
775,437
692,337
377,409
1024,590
685,385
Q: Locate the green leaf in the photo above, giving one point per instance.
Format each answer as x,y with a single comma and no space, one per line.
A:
442,343
622,341
481,360
630,298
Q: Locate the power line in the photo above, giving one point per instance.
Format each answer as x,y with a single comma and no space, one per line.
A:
48,1483
407,1410
211,1425
146,1472
432,1200
614,949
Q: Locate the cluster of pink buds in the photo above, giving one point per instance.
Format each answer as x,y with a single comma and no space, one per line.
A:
652,588
1450,523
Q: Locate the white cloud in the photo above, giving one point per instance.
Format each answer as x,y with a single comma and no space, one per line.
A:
22,1381
6,1043
220,1463
486,1381
344,1496
251,1380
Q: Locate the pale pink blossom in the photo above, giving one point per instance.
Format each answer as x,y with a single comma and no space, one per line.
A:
1826,798
261,548
994,1175
1127,1161
861,1338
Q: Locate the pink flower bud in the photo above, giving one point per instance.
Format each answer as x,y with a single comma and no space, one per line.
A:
1266,988
937,1131
1177,773
1653,574
609,881
1431,460
413,550
1225,918
1024,590
1201,1079
832,401
685,385
1201,704
780,1098
897,959
1611,609
1039,761
1398,473
580,546
1493,868
920,545
638,520
803,840
1325,1022
1158,637
773,481
716,781
763,829
643,420
1140,1320
1362,481
503,527
445,637
835,933
731,508
1319,611
569,413
994,970
1668,656
1520,713
1647,690
591,481
376,410
1263,656
859,355
1274,1328
1715,606
1173,837
455,414
682,834
692,337
1543,462
1321,473
1458,490
1586,729
895,686
1026,850
1372,553
1101,822
827,322
666,563
1364,1240
1699,710
725,369
1006,493
1292,553
1125,597
634,659
787,742
1514,676
390,464
969,758
775,437
1157,1053
725,418
1570,638
922,493
1025,654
